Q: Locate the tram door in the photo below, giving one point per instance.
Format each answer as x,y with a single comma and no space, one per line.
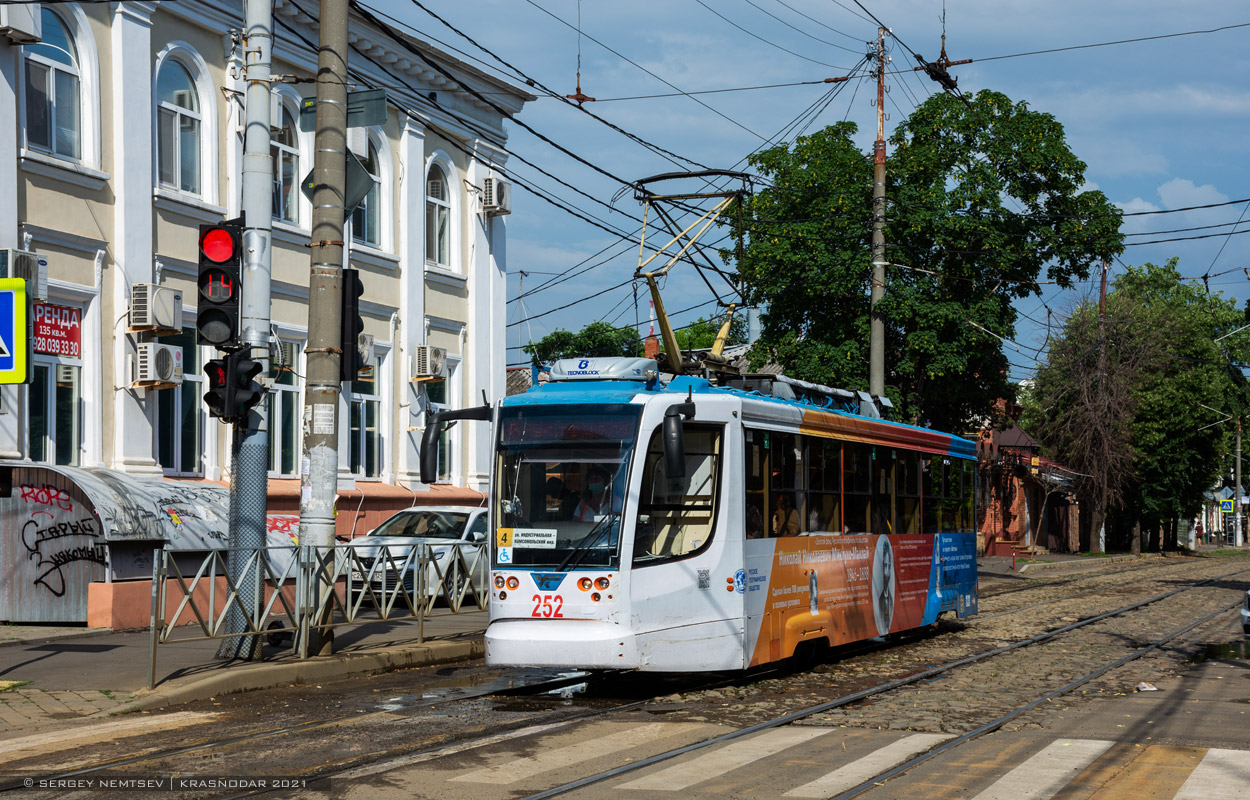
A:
686,605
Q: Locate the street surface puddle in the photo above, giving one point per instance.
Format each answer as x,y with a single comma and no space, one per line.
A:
1239,650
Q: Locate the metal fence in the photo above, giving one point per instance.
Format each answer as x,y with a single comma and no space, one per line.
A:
306,587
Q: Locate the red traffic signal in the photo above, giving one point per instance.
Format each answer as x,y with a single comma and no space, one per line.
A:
220,265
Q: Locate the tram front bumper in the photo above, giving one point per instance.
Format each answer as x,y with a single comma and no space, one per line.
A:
583,644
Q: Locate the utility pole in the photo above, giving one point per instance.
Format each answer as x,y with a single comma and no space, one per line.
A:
1237,499
320,463
249,451
876,339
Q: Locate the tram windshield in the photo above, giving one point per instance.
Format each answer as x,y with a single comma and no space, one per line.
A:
560,485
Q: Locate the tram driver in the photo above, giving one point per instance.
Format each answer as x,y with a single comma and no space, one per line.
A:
599,497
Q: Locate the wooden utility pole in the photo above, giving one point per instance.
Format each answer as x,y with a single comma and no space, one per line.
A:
320,463
876,339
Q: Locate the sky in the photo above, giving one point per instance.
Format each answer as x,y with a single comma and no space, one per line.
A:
1161,124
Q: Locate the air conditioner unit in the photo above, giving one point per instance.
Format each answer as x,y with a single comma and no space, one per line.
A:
429,362
31,266
157,309
496,196
158,366
21,23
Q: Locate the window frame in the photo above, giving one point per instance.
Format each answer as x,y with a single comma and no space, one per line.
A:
379,199
192,381
447,447
206,156
78,34
51,434
451,204
283,101
354,398
275,396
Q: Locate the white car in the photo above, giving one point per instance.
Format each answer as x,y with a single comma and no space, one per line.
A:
1245,614
446,529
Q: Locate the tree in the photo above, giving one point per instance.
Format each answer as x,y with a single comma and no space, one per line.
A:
986,199
1147,416
701,334
596,339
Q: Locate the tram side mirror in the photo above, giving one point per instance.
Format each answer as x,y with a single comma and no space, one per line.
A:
429,449
434,426
674,440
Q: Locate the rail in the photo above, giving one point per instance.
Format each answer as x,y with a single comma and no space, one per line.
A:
300,588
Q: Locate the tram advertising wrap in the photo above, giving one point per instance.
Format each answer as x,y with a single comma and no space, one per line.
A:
850,588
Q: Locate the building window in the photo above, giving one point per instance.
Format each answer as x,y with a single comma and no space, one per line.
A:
366,226
284,146
178,124
283,409
437,218
180,420
436,394
364,409
55,413
54,91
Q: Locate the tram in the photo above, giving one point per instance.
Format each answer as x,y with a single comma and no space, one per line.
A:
691,525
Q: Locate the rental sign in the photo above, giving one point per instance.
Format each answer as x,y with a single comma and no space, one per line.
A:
58,330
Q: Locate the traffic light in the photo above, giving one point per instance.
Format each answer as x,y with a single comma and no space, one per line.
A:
241,371
219,397
221,258
232,390
352,326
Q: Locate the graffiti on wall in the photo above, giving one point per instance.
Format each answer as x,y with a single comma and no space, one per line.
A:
55,534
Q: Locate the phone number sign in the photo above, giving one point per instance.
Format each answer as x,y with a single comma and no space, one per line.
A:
58,330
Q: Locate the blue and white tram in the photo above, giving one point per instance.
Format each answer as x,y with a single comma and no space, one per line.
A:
684,526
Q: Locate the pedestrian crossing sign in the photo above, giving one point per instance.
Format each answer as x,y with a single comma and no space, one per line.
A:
1226,506
14,343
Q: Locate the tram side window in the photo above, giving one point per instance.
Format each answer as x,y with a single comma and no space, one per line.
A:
966,522
952,496
907,488
676,515
883,490
857,487
824,474
787,470
756,470
932,472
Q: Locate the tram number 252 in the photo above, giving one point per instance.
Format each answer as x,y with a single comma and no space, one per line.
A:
548,605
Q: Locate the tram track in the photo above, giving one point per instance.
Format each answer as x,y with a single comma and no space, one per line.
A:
384,760
928,674
380,763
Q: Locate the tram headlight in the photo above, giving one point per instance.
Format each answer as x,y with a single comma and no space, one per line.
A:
595,597
513,582
498,581
601,583
584,584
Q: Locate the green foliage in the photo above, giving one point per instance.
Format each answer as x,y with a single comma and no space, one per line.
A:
701,334
1156,382
984,203
596,339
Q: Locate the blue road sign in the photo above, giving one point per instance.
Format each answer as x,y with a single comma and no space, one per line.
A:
1226,506
13,339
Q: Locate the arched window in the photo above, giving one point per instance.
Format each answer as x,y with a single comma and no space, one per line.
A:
284,146
366,219
178,123
437,218
54,91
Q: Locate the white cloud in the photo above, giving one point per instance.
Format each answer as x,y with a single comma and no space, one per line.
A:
1182,192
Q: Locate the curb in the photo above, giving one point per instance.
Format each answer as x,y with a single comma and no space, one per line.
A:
56,637
267,676
1033,566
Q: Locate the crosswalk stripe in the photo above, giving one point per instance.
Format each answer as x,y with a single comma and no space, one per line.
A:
869,766
1221,775
587,750
1046,772
721,760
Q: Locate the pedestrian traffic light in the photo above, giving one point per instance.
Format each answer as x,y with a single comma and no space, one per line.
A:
351,326
232,390
241,372
221,258
219,397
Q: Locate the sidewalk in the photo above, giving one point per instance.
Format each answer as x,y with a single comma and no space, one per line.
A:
57,673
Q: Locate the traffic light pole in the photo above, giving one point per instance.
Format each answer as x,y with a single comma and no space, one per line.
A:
320,463
249,451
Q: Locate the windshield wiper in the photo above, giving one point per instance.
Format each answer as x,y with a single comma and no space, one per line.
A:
589,540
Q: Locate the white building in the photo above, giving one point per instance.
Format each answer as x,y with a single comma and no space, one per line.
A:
122,132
